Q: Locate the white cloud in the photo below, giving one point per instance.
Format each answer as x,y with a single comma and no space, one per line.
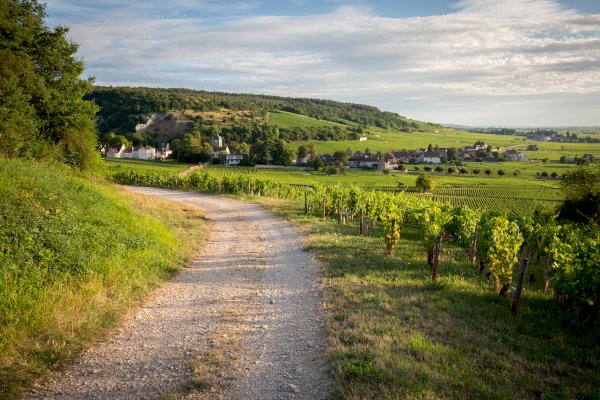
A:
484,48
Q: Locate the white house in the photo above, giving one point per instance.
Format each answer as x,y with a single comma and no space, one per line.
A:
232,159
514,155
115,152
146,153
432,157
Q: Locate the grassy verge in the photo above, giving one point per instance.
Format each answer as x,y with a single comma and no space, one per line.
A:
74,257
393,334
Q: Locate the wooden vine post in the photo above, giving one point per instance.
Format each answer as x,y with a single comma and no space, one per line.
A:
361,222
547,270
516,293
473,249
437,249
305,202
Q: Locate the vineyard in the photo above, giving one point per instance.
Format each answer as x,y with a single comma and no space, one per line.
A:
517,199
492,238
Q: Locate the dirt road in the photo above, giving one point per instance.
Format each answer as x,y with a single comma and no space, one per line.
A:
247,316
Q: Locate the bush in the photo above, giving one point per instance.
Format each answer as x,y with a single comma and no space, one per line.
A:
451,170
476,171
439,168
425,182
501,172
427,169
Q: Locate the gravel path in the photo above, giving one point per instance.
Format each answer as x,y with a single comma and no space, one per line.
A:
251,303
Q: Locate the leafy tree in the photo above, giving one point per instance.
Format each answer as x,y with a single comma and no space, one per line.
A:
116,140
187,148
582,195
425,182
281,153
301,152
476,171
312,151
488,172
340,159
501,172
42,111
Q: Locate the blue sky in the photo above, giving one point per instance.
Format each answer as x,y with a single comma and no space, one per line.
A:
472,62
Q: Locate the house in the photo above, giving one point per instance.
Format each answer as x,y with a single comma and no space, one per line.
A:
217,145
362,139
366,160
432,157
164,152
115,152
327,158
146,153
513,155
401,157
232,159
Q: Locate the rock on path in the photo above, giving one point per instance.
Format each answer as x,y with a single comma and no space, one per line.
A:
253,284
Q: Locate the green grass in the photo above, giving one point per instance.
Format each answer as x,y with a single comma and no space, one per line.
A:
74,257
388,140
286,119
114,164
393,334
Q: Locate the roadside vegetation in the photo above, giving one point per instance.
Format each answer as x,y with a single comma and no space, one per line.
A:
393,333
75,256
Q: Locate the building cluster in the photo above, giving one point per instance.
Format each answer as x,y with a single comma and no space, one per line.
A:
394,159
139,153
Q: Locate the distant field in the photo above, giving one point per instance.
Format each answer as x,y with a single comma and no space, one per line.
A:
285,119
112,164
387,140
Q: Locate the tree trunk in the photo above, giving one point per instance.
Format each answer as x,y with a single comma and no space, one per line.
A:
324,211
504,290
496,285
516,295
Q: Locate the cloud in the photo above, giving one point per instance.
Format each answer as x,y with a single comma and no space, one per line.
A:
483,48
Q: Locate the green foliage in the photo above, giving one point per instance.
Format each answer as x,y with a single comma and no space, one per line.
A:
498,243
72,256
425,182
42,111
577,261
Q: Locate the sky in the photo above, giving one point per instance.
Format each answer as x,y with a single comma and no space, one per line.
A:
469,62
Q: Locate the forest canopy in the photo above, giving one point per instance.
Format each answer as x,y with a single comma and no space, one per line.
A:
42,111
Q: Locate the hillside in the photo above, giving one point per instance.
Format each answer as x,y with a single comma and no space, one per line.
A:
74,257
123,107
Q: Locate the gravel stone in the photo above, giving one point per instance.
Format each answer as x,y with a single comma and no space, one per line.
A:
250,255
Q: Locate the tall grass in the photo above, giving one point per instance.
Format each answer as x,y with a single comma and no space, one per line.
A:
73,257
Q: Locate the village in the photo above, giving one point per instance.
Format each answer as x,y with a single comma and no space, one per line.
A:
480,152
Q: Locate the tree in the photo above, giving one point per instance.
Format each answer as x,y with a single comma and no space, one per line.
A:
581,188
488,172
301,152
476,171
42,111
282,155
425,182
340,159
116,140
312,151
501,172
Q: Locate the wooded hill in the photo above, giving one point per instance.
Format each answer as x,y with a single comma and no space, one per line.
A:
121,108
